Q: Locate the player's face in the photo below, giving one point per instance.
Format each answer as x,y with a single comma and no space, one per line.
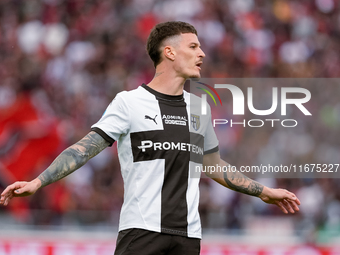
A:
189,56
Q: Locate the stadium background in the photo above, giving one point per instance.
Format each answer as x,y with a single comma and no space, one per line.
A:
61,64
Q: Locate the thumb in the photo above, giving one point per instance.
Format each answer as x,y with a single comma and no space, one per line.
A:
18,191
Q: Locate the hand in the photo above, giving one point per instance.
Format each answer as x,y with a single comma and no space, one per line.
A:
285,200
19,189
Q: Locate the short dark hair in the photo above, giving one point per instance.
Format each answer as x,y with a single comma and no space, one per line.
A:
163,31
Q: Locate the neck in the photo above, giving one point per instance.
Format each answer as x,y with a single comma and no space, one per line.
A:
166,82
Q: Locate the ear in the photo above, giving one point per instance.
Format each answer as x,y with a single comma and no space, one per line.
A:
169,52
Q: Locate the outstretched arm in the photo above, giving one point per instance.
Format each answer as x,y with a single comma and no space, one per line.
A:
67,162
235,180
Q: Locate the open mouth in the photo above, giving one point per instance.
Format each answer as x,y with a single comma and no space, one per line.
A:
199,65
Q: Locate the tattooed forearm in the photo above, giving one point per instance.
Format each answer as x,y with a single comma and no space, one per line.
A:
241,183
231,179
73,158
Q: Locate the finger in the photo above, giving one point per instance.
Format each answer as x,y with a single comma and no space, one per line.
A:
9,188
294,205
7,200
2,199
12,187
8,193
288,206
290,195
292,198
297,201
280,205
9,196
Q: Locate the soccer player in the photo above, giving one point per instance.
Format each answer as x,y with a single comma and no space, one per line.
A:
157,148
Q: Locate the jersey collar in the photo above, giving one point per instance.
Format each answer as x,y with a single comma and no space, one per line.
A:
161,95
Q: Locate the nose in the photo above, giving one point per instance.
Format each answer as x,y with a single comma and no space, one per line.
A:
201,53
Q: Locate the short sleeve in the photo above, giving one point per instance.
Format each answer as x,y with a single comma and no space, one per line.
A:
210,139
115,120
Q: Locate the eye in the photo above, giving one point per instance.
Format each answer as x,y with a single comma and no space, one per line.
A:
192,47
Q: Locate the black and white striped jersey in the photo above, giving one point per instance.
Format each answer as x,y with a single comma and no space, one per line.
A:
161,140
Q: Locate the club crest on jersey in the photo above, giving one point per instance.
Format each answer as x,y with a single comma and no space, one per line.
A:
195,121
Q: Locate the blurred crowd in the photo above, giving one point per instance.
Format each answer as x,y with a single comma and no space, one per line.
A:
63,61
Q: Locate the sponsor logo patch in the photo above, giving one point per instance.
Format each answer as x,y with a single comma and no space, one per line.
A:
174,120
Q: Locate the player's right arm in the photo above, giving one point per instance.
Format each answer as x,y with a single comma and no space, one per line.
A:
67,162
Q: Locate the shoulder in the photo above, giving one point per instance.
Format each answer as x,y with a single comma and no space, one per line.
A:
190,96
139,92
194,101
126,96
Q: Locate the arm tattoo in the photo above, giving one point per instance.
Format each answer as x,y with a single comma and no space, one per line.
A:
73,158
241,183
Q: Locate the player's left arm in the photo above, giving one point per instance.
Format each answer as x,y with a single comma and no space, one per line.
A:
235,180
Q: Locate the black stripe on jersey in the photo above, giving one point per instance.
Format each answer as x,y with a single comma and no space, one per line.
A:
174,210
104,135
176,173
